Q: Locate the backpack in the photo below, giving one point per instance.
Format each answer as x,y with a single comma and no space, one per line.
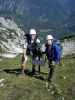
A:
31,47
28,38
57,51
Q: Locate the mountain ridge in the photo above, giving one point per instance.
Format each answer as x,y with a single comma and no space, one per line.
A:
43,14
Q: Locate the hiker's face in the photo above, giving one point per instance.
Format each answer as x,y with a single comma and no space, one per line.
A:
33,36
49,42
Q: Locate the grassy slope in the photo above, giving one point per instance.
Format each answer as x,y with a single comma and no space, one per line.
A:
17,87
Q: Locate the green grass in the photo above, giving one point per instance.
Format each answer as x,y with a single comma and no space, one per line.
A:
17,87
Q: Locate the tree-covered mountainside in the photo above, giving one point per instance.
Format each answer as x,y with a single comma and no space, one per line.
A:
44,14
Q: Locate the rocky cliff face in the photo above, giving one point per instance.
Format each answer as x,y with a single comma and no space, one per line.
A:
11,36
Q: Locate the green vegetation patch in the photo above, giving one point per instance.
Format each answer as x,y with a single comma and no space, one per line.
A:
18,87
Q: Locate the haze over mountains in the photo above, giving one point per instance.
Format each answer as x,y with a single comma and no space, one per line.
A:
56,17
43,14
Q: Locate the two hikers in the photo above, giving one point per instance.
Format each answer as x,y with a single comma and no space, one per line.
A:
53,51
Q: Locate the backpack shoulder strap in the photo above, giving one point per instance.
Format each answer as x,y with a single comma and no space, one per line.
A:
28,37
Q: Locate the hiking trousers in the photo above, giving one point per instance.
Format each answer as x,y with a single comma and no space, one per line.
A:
33,66
51,71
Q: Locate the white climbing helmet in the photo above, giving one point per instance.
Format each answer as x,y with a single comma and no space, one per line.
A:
33,31
49,37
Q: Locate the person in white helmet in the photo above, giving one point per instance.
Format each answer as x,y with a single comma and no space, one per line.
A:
33,34
53,52
49,39
48,51
34,47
